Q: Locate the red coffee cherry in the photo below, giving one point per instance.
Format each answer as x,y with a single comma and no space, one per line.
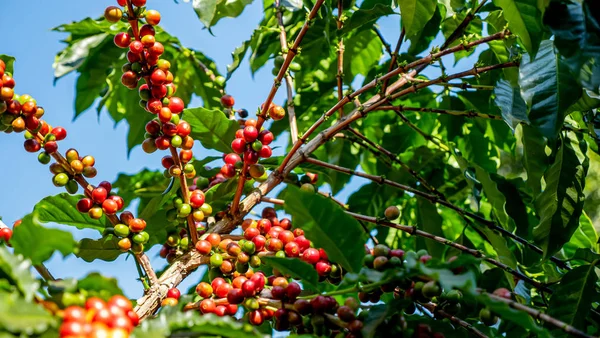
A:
122,40
153,17
174,293
227,101
99,195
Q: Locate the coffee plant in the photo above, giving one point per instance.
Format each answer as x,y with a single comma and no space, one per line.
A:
478,215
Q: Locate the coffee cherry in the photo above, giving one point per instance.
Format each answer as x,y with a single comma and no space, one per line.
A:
292,249
137,225
503,292
323,268
277,113
138,3
136,47
5,234
431,289
110,207
487,317
153,17
293,290
235,296
60,133
250,134
227,101
122,40
355,326
99,194
265,152
207,306
60,180
249,288
84,205
113,14
392,212
174,293
311,256
265,137
204,290
32,146
157,49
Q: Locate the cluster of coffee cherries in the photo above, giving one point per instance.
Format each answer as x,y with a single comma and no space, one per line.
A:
100,202
251,143
130,232
98,318
156,95
77,165
268,236
17,113
174,170
177,213
175,133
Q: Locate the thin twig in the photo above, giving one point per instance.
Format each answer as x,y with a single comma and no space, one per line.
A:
288,79
340,56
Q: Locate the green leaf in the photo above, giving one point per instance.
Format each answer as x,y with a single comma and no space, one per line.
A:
156,203
535,159
23,317
9,61
96,282
561,203
75,54
491,189
173,320
511,104
415,14
39,243
16,270
362,52
327,225
211,11
367,14
296,268
105,249
573,298
212,128
525,20
431,222
548,88
421,40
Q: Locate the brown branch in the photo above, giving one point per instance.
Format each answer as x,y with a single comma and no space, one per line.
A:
288,79
467,326
291,53
541,316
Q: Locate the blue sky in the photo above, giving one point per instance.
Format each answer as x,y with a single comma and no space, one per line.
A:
24,181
